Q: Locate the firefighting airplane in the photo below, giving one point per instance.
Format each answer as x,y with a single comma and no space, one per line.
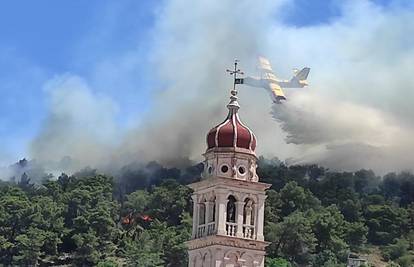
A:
273,85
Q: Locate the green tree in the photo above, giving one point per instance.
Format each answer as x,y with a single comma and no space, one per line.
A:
169,201
277,262
91,215
137,201
325,258
273,206
410,239
410,211
295,197
29,227
143,252
385,223
355,234
171,240
25,183
14,221
396,250
328,225
365,181
109,263
335,188
29,247
86,252
351,209
47,216
292,238
390,185
406,261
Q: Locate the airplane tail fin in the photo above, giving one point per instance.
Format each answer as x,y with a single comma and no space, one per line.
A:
302,74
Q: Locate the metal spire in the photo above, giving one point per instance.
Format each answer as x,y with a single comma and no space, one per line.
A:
234,105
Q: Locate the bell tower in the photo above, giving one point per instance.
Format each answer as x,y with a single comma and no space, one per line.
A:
228,211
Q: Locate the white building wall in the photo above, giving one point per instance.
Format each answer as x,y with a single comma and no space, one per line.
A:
223,256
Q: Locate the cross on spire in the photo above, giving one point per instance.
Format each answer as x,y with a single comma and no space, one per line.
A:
234,73
233,106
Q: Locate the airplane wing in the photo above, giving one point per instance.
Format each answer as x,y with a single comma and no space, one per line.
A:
276,92
266,69
251,81
264,65
268,75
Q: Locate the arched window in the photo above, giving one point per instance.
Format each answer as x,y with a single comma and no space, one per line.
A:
233,260
202,214
207,259
248,212
231,209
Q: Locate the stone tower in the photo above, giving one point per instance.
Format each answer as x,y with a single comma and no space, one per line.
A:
228,211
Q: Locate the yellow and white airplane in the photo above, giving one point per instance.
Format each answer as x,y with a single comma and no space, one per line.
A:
274,85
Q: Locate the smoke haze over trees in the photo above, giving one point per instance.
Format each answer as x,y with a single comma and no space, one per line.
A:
356,113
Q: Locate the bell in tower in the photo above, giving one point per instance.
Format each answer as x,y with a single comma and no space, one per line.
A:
228,211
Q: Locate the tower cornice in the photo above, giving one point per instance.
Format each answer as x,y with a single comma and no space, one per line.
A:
218,182
227,241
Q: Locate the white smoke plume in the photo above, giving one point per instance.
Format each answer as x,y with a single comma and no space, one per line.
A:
80,124
357,111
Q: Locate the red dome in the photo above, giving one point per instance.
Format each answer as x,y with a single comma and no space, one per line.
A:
231,133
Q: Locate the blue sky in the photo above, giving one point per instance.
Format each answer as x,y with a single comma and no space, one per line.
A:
41,39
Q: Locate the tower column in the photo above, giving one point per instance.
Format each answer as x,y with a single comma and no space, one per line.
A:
209,217
195,215
260,217
239,212
254,222
207,214
221,212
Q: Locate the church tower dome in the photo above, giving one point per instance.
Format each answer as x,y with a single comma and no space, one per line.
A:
231,132
231,147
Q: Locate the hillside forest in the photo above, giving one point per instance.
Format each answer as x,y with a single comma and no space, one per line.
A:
141,216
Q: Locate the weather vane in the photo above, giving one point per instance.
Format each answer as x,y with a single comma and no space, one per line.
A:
234,73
